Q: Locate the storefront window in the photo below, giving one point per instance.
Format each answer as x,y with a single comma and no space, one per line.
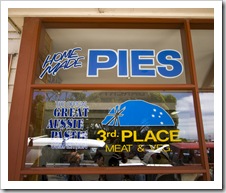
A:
203,45
207,106
110,128
111,56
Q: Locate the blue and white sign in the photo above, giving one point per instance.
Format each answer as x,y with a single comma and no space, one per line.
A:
138,113
129,63
61,60
142,62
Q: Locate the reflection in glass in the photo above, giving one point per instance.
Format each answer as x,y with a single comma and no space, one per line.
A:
207,107
124,128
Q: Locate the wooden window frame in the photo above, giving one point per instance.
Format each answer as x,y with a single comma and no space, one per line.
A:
24,87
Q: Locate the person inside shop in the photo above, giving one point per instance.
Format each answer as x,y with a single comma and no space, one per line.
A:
114,162
99,159
74,160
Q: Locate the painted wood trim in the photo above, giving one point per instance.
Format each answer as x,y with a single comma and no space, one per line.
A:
19,114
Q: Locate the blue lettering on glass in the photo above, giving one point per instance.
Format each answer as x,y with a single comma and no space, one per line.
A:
56,134
71,112
142,62
95,63
61,60
138,113
171,66
65,124
140,59
123,61
68,123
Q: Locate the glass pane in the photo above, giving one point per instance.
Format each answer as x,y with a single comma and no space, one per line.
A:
207,107
115,128
203,45
97,56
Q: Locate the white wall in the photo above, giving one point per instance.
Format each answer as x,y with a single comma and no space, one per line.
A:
113,12
13,48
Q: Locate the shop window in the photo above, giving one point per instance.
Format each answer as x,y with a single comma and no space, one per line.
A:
110,128
207,107
111,56
203,46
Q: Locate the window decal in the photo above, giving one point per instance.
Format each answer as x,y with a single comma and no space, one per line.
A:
67,128
65,60
125,120
141,64
138,113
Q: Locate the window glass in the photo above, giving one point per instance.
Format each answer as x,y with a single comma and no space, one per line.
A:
110,128
207,107
106,56
203,46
